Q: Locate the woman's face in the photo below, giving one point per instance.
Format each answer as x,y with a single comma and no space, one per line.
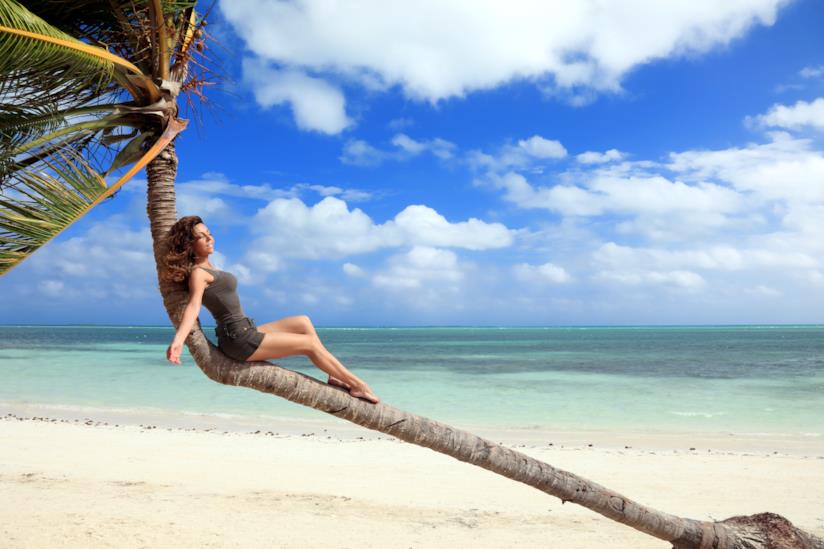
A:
204,243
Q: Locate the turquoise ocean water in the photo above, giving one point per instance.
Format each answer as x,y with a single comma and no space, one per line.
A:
742,379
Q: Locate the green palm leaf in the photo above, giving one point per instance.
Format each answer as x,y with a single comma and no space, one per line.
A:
72,112
45,203
19,126
48,78
44,66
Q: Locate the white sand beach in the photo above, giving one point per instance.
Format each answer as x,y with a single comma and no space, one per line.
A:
70,483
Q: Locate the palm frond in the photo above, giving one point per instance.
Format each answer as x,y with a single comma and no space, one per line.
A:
53,90
65,125
57,92
19,125
126,27
41,66
44,203
30,142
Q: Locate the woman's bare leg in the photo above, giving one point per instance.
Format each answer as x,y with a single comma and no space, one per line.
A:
301,324
318,354
283,344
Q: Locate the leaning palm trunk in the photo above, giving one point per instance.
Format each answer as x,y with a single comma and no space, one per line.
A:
758,531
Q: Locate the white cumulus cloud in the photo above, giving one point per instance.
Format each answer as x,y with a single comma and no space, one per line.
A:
420,266
316,104
605,192
329,229
418,47
795,117
423,225
539,147
109,261
785,169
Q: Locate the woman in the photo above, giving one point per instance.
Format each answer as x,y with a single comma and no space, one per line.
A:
190,244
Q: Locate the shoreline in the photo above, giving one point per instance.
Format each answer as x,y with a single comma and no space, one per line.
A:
799,445
73,483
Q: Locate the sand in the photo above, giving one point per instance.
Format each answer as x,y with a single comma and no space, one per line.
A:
72,483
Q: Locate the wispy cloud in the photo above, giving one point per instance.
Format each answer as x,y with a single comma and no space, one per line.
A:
594,157
360,153
812,71
523,154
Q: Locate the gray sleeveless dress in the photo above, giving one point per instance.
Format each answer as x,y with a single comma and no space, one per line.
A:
237,335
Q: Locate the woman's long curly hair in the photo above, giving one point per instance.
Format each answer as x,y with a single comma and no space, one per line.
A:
180,258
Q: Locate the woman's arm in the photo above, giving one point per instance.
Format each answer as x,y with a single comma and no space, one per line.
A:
197,283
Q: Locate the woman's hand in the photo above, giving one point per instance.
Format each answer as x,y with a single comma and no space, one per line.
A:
173,352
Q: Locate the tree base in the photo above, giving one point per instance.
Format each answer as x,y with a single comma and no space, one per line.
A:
760,531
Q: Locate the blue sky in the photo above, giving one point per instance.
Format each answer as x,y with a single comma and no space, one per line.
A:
387,163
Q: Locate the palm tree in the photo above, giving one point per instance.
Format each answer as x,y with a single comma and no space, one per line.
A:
89,88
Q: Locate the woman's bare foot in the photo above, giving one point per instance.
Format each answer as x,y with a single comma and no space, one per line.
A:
338,383
365,393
